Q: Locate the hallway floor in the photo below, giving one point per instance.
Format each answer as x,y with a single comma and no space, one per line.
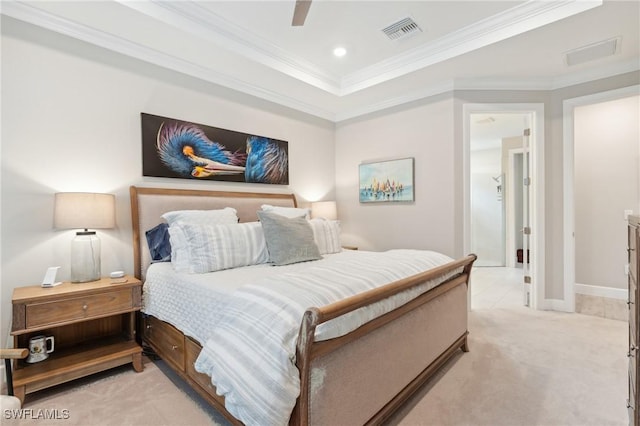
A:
495,287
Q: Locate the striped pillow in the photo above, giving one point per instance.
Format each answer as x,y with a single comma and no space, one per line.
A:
212,248
326,234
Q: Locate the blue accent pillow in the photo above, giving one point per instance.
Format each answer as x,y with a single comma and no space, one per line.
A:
158,242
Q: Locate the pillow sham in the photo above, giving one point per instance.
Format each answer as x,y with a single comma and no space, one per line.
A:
287,211
326,234
289,240
159,243
227,215
213,248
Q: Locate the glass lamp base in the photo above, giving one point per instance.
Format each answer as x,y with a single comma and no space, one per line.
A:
85,257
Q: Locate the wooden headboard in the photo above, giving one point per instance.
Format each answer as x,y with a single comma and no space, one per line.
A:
149,204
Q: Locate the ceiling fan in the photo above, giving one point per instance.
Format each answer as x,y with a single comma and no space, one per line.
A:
300,12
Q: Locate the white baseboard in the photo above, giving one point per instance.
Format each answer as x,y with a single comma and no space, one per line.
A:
558,305
610,292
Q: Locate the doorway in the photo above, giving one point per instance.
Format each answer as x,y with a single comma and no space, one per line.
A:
505,240
616,208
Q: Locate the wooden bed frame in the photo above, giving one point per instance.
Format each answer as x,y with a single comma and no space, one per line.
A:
359,378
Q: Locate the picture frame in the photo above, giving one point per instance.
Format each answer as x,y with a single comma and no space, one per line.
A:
387,181
181,149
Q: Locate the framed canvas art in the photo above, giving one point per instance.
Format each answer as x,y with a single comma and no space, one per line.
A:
387,181
181,149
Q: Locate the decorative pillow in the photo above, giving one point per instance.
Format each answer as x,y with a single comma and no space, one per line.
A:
326,234
159,243
213,248
287,211
289,240
179,258
203,217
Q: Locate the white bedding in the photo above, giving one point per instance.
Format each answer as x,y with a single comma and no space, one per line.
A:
248,318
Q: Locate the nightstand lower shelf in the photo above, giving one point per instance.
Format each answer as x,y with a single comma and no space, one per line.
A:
75,363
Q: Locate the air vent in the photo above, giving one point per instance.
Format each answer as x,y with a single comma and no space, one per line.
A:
592,52
402,29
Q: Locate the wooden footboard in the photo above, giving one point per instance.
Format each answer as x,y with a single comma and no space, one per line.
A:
364,376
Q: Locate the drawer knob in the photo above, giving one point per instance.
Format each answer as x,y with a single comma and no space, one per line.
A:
174,347
148,327
84,307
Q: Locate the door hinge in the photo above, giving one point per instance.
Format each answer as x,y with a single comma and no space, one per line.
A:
526,230
527,279
526,181
527,132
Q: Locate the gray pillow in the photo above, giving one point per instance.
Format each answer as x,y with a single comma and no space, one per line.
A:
289,240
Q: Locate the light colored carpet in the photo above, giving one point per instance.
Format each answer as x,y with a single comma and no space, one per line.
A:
524,368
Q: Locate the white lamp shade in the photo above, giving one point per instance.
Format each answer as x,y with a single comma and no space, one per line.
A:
324,209
84,210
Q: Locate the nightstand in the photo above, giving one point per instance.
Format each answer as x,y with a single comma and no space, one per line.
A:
93,325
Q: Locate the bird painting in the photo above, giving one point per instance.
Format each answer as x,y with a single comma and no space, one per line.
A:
182,149
185,149
267,161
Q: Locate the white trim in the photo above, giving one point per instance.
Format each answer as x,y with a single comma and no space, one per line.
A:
519,18
536,110
568,166
599,291
35,16
202,22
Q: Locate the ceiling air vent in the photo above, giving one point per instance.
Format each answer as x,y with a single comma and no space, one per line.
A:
402,29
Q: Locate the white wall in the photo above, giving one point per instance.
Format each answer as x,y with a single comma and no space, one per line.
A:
487,213
71,122
423,130
607,167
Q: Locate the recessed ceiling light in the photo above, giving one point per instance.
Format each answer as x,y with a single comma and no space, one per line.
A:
339,51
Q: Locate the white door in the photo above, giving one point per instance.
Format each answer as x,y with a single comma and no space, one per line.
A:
526,218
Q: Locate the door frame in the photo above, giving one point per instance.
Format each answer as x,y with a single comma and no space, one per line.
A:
568,183
537,254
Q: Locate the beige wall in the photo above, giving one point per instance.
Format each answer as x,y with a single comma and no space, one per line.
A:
607,167
71,122
424,131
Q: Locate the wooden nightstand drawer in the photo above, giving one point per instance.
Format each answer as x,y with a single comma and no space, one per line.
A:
90,306
166,340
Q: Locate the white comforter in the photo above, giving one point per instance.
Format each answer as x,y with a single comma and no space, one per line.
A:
250,347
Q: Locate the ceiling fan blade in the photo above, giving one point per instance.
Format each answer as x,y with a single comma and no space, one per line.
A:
300,12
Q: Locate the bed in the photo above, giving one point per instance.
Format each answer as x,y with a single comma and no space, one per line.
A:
359,375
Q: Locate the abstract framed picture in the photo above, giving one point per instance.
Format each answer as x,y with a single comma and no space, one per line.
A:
387,181
180,149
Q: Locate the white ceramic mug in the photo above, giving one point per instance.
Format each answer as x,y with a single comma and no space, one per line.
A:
38,350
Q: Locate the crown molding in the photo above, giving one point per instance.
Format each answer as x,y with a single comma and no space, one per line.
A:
509,23
36,16
190,17
27,13
201,22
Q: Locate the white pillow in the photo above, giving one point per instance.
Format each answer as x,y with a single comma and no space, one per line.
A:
226,215
179,258
326,234
290,212
213,248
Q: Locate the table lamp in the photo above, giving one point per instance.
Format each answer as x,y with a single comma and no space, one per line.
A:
84,210
324,209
